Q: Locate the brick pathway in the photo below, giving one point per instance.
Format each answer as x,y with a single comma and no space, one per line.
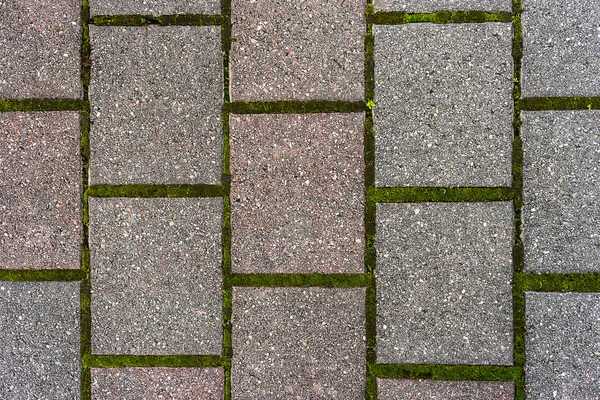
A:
248,199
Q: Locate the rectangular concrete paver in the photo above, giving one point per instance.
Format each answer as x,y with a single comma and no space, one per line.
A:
157,383
39,332
154,7
444,105
298,343
297,50
40,190
156,95
40,45
428,6
156,276
561,48
444,273
561,191
562,345
406,389
297,193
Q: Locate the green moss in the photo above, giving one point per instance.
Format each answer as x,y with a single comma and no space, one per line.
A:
295,107
302,280
41,105
165,20
155,191
447,372
26,275
559,103
114,361
435,194
440,17
558,282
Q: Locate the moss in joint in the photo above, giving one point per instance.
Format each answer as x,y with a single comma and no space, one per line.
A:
295,107
302,280
118,361
164,20
434,194
559,103
440,17
7,105
447,372
155,191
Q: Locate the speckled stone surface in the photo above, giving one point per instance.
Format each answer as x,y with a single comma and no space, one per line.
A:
157,383
40,190
562,345
291,343
156,275
428,6
156,95
39,332
444,105
561,191
405,389
561,48
444,273
40,44
154,7
297,193
297,50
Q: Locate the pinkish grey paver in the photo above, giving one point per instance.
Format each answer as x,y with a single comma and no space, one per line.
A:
297,50
405,389
157,383
156,275
156,95
154,7
40,190
295,343
40,45
297,193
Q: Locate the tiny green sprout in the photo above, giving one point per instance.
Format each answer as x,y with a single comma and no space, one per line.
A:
370,104
589,106
516,80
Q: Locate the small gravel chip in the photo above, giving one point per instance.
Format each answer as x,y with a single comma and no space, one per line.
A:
444,275
444,106
154,7
561,191
430,6
562,345
39,331
406,389
156,275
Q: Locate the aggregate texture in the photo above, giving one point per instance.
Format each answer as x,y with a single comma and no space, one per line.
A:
156,276
444,274
561,191
156,95
444,106
291,343
429,6
154,7
40,190
406,389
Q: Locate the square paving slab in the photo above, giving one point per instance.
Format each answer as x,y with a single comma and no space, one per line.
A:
561,48
297,193
405,389
444,105
562,345
156,95
154,7
428,6
40,190
39,332
295,343
157,383
40,49
156,275
561,191
444,273
297,50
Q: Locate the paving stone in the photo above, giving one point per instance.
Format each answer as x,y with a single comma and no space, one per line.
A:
444,106
405,389
297,50
561,48
40,49
444,273
562,345
39,331
156,275
304,343
154,7
157,383
561,191
429,6
40,190
297,193
156,95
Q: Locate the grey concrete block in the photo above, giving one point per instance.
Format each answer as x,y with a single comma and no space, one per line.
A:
297,193
444,274
406,389
156,275
444,105
562,345
40,190
561,48
297,50
39,331
291,343
156,95
561,191
429,6
40,49
154,7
